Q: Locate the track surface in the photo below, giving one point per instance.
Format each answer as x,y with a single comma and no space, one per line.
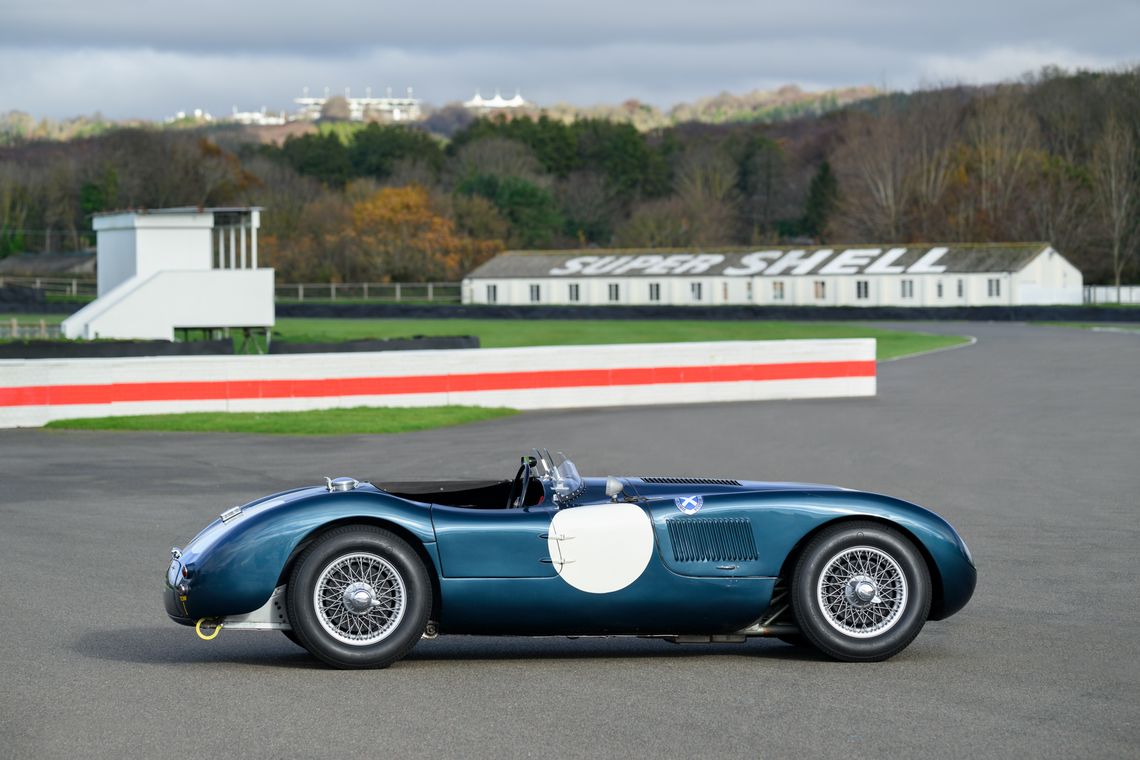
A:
1029,442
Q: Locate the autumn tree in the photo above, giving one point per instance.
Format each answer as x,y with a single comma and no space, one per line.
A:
404,238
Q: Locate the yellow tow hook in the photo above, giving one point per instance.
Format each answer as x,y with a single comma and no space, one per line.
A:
204,637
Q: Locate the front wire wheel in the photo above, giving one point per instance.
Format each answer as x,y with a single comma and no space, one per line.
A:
861,592
359,597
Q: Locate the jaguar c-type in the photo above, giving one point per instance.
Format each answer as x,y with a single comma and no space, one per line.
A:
357,572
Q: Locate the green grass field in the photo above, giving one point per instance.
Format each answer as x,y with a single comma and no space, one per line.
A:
497,333
360,420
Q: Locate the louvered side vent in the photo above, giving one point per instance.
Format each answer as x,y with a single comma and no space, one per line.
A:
725,539
693,481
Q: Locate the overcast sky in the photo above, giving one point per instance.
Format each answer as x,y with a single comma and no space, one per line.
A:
150,59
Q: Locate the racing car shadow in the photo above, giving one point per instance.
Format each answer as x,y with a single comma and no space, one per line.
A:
475,648
164,645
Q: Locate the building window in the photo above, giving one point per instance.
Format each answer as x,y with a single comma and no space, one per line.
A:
862,289
907,288
777,291
961,288
695,290
993,287
575,294
820,290
492,293
615,291
940,288
535,293
654,291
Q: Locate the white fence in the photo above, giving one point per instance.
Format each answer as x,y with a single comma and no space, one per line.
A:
55,286
1125,294
396,292
35,391
37,329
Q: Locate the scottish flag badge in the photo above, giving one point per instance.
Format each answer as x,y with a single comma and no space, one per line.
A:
690,505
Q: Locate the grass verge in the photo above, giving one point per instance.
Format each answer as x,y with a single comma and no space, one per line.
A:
499,333
355,421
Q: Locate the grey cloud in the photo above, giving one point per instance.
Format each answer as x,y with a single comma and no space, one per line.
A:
340,27
150,59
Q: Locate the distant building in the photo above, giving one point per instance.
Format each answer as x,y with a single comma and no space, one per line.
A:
954,274
176,268
260,118
368,108
483,105
197,115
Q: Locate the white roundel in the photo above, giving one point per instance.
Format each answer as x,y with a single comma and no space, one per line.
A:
601,548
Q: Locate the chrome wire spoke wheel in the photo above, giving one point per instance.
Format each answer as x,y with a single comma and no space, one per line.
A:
862,592
359,598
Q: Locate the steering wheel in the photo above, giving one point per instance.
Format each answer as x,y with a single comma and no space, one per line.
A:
517,495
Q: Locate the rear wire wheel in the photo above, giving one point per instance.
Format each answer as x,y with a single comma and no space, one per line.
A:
861,592
359,597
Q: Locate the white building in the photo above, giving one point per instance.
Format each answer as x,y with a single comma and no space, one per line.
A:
954,274
260,118
176,268
497,103
367,108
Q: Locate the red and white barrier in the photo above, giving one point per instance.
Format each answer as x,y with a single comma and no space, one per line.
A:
34,391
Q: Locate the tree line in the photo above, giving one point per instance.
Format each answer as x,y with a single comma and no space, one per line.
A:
1054,157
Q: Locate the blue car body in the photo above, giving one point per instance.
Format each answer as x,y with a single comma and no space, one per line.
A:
719,550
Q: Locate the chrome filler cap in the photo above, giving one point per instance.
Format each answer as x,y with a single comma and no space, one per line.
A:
341,484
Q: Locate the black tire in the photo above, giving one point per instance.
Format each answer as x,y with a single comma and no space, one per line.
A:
390,629
293,637
834,618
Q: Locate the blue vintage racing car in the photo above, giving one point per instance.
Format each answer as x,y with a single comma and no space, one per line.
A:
357,573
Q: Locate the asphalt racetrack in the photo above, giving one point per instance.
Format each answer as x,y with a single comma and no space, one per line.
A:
1028,441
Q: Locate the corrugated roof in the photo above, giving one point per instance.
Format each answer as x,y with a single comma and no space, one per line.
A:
786,261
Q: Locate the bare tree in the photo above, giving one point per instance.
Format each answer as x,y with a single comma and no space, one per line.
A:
500,157
1117,190
660,223
589,206
930,134
706,186
1004,140
875,182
